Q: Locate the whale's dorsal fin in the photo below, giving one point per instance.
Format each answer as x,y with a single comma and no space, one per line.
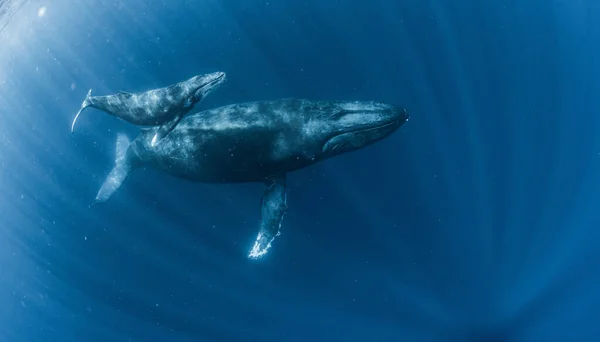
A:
124,93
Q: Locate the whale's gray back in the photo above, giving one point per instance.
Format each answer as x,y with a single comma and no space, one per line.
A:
149,108
243,142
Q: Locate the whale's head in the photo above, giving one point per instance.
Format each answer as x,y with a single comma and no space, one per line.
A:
349,126
198,87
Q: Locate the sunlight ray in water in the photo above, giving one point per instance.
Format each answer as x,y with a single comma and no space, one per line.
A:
8,8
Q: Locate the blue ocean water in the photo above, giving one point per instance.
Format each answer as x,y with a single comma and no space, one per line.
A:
476,221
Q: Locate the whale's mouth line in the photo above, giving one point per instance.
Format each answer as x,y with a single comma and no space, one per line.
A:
208,86
368,129
212,83
216,80
388,125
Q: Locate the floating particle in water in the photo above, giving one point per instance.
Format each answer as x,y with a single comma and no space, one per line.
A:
42,11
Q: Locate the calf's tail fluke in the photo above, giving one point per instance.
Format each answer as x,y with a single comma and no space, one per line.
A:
119,172
84,105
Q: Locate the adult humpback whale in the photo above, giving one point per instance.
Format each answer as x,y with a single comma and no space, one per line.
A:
256,142
163,107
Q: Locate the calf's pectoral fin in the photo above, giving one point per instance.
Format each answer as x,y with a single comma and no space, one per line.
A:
165,129
273,206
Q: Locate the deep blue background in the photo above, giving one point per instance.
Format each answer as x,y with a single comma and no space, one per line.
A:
477,221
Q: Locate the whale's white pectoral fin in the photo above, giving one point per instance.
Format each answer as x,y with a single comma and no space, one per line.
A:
154,140
273,206
119,172
165,129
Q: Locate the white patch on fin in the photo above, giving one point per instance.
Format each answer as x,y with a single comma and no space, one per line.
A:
273,207
154,140
261,247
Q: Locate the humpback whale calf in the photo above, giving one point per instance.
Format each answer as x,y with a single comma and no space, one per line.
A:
163,107
256,142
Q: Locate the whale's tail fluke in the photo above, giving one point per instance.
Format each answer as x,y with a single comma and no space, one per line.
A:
86,103
119,172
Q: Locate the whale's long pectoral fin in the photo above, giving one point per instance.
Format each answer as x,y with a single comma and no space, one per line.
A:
119,172
273,206
165,129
